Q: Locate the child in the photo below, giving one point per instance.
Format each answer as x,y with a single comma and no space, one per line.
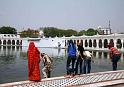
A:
47,65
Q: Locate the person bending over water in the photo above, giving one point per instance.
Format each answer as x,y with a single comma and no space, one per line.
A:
48,65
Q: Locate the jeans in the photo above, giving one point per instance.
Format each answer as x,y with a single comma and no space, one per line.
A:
87,66
78,63
115,59
70,64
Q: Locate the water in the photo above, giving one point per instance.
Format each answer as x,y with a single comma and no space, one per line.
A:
13,62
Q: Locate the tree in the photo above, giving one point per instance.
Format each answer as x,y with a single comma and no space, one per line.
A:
53,32
8,30
91,32
82,32
30,33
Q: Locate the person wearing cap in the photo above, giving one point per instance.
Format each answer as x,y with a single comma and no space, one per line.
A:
114,56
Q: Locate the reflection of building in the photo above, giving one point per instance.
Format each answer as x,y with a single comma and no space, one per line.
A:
104,55
10,39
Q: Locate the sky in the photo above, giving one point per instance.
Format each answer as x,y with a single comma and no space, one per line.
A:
63,14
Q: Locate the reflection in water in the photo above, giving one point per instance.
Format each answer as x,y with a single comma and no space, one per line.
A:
105,54
7,59
59,49
7,54
99,54
94,53
23,55
13,62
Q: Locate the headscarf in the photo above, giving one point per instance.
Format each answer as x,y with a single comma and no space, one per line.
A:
31,46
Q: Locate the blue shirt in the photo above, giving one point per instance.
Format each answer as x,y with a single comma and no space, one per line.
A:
71,50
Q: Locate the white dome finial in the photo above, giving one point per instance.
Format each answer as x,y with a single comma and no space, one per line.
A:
41,34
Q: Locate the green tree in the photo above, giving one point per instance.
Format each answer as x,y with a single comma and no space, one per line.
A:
29,33
82,32
8,30
70,32
53,32
91,32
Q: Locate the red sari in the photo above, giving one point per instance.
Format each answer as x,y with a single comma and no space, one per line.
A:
33,63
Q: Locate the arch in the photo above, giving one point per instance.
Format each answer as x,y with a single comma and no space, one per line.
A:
17,42
123,43
77,42
90,43
74,41
9,42
94,43
86,43
119,44
65,43
105,43
111,42
100,43
4,42
82,42
0,42
13,42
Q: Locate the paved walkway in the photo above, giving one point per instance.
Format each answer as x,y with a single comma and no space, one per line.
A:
86,80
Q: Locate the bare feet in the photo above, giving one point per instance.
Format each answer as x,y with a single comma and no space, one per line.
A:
67,76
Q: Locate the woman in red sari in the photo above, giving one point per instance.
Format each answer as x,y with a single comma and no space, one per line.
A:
33,63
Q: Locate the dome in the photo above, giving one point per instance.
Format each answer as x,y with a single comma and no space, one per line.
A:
99,27
41,34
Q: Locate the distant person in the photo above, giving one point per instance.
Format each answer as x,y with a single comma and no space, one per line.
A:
48,65
33,62
114,56
71,50
59,45
87,62
79,58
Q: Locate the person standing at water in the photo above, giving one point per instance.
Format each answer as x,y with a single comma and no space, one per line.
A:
79,58
87,62
114,56
33,62
71,58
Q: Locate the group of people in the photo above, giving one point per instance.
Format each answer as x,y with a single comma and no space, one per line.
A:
77,57
34,58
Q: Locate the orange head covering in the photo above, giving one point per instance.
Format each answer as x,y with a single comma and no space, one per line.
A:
31,46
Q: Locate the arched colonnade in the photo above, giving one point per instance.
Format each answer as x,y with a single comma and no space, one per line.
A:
100,42
10,39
